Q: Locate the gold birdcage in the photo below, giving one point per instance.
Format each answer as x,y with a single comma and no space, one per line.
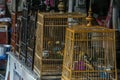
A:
50,39
90,54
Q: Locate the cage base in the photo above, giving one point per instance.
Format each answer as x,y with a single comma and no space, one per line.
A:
51,78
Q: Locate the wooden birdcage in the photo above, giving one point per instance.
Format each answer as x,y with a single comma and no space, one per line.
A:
90,54
50,39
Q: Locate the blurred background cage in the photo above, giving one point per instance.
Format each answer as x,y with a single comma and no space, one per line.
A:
90,54
50,40
24,30
31,32
18,34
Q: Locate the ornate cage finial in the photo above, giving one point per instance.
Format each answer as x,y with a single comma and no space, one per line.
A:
89,18
61,6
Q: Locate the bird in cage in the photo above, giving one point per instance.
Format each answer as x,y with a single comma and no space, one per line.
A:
56,48
86,58
50,43
89,60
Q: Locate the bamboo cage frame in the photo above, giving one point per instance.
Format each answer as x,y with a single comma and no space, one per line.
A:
51,28
89,54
